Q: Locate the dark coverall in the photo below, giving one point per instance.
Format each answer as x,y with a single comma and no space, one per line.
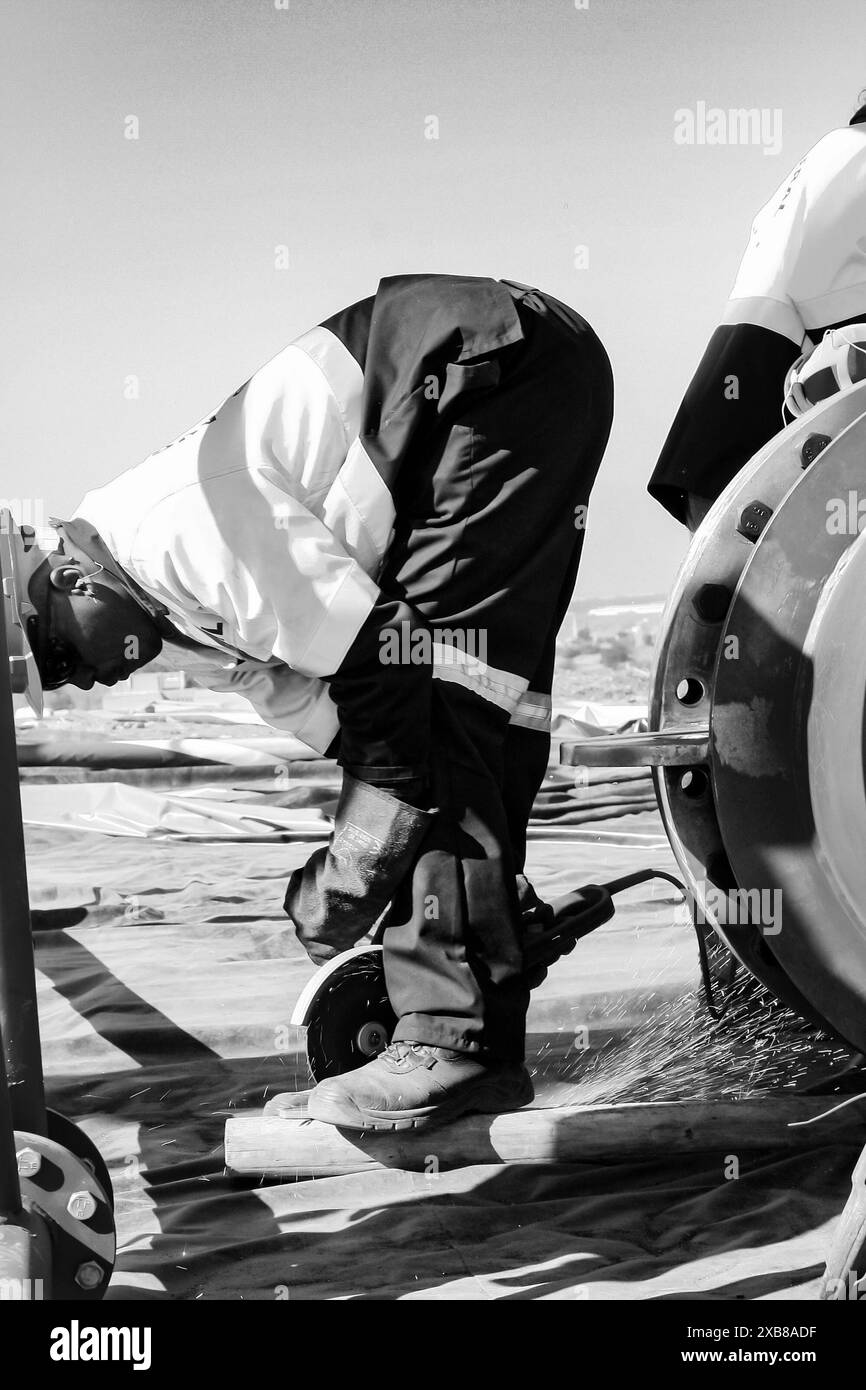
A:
487,538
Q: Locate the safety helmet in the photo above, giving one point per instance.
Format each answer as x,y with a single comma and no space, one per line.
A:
20,558
839,361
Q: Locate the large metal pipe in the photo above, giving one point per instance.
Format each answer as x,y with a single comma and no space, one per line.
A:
19,1019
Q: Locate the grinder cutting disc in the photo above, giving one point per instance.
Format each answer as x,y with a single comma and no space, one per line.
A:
348,1016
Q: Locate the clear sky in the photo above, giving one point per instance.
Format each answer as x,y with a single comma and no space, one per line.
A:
304,127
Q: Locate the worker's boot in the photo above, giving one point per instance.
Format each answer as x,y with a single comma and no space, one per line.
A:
412,1086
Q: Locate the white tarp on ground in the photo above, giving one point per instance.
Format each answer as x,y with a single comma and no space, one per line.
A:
113,808
205,813
587,717
221,812
167,978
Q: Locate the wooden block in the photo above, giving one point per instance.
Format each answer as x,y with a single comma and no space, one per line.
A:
845,1275
296,1147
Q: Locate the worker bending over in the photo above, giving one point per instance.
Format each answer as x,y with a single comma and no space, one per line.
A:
375,540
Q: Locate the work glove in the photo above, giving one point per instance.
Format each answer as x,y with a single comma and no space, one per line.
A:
536,916
343,889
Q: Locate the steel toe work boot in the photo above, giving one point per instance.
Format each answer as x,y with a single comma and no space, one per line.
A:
413,1086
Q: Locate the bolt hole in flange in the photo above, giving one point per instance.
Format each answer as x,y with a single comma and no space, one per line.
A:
712,601
694,783
690,691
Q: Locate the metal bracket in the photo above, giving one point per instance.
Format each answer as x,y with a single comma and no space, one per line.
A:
673,748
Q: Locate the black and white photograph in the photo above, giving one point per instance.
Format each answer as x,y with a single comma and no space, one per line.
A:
433,671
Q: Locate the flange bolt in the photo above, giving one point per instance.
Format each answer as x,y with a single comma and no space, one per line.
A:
753,519
815,445
81,1205
89,1275
29,1163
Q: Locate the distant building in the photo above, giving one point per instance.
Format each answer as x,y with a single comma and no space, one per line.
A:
157,682
143,689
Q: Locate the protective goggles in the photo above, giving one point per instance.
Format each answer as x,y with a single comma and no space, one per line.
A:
57,660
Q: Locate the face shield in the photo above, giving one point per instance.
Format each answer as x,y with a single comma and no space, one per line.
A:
20,558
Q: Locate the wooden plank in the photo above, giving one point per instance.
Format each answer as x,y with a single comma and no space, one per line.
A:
845,1275
296,1147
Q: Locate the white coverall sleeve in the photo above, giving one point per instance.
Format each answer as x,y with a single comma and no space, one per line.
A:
242,550
301,705
763,291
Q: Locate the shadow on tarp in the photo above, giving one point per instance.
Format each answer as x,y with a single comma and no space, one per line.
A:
526,1232
168,1062
517,1231
636,1230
